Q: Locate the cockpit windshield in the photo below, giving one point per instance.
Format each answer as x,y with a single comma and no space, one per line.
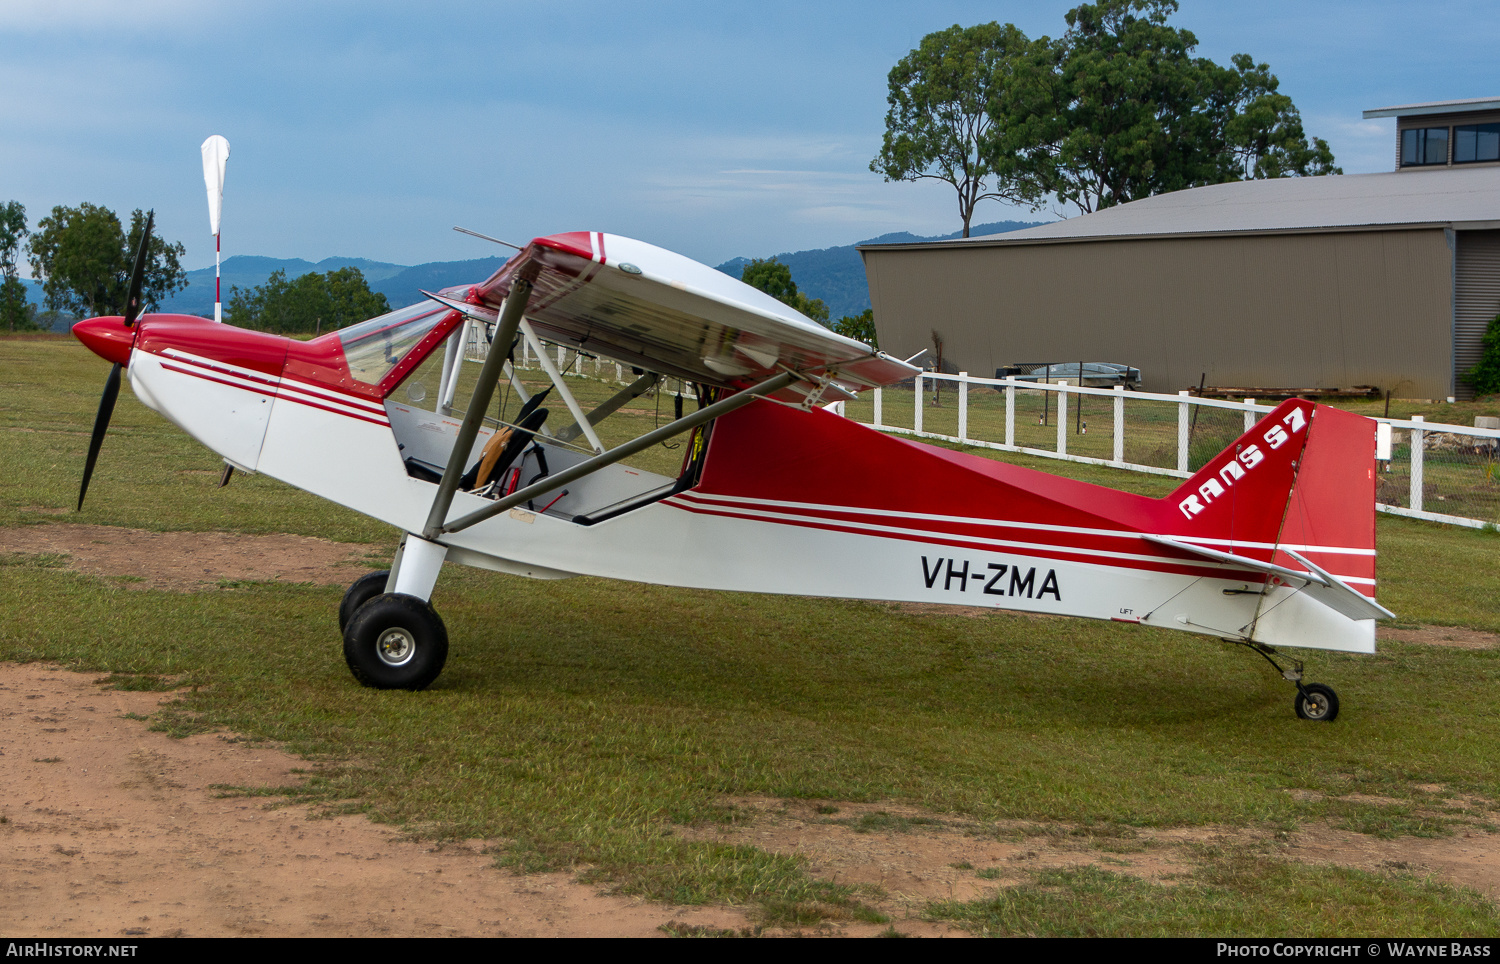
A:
372,348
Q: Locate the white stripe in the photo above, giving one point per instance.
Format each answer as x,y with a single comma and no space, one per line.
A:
224,378
220,366
1002,523
269,382
293,395
929,535
353,401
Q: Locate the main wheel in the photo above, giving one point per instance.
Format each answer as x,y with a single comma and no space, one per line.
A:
1317,702
396,642
361,591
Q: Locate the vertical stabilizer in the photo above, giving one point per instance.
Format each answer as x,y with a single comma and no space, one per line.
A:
1331,513
1240,498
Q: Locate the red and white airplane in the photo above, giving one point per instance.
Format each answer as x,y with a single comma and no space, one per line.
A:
1270,544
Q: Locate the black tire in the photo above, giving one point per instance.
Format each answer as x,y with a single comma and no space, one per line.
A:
1317,702
363,589
396,642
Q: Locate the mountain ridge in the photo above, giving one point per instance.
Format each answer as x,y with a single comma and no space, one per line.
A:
836,274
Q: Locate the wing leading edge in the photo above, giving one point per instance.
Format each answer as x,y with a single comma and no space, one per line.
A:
648,307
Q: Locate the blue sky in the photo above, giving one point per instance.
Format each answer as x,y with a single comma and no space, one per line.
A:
369,129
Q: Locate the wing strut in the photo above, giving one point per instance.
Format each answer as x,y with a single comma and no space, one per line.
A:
722,407
484,390
605,409
579,418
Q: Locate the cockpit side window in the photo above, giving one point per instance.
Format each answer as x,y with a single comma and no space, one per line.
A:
373,348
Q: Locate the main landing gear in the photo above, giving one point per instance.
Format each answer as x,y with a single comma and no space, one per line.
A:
396,640
1314,701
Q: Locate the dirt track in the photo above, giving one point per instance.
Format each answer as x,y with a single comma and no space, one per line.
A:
112,830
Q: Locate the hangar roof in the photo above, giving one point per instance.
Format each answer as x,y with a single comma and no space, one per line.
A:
1437,107
1461,197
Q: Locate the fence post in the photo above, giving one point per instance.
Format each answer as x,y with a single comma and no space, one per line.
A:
963,406
916,420
1010,414
562,356
1119,423
1062,416
525,353
878,400
1182,433
1418,443
1249,414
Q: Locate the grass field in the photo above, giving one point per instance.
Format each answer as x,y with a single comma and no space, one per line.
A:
588,722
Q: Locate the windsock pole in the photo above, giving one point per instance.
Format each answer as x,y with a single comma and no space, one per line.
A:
215,157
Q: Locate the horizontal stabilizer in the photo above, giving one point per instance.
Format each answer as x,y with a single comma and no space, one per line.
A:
1318,583
1339,595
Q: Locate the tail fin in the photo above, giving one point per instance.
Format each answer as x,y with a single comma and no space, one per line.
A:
1331,512
1303,478
1241,495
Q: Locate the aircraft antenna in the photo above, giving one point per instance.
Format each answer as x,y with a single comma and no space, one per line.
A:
486,237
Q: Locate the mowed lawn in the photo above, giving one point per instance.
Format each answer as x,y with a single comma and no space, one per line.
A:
587,722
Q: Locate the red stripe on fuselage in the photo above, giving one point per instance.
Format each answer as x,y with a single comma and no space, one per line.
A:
268,392
1159,564
203,372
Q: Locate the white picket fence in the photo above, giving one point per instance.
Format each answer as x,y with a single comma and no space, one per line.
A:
1442,473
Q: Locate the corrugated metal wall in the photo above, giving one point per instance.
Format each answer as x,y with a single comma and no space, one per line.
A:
1310,310
1476,292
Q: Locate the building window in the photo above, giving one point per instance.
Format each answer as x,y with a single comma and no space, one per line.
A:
1424,145
1476,142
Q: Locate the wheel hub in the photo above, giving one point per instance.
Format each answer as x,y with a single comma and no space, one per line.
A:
396,647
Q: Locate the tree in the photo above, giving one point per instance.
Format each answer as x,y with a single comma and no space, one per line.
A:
860,327
311,302
1485,376
940,124
1117,109
775,279
16,313
84,259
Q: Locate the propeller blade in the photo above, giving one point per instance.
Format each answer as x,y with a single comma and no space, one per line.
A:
138,276
101,424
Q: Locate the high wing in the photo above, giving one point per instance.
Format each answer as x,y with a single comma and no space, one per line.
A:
651,308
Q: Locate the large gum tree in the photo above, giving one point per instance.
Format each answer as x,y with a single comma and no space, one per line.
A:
1119,110
940,124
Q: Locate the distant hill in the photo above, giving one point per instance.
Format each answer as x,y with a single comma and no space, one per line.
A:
402,285
837,275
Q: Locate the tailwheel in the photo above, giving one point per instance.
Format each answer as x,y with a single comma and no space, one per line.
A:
1314,701
395,642
365,588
